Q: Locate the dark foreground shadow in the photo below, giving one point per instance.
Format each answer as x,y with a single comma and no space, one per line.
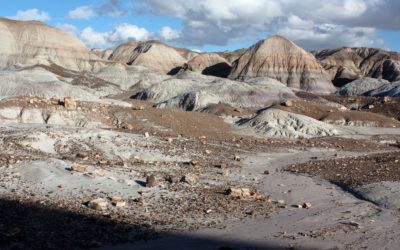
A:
35,226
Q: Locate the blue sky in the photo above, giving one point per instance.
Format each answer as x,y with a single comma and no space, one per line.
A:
217,25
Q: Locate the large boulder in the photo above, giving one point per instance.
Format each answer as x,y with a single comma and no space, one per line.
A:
281,59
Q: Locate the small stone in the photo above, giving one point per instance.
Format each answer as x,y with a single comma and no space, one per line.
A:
387,99
239,192
172,179
288,104
69,103
120,204
207,151
266,172
170,140
244,193
222,166
16,174
115,199
147,135
78,168
280,201
99,172
139,108
151,181
194,162
236,158
371,106
306,205
189,179
98,204
113,178
82,155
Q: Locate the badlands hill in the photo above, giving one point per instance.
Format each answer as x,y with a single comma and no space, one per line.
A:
152,54
209,64
281,59
43,60
32,42
347,64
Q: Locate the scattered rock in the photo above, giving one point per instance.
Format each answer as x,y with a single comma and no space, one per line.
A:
236,158
147,135
266,172
172,179
138,108
99,172
387,99
78,168
239,192
151,181
306,205
98,204
243,193
82,155
287,104
115,199
120,204
222,166
189,179
118,201
281,201
194,162
69,103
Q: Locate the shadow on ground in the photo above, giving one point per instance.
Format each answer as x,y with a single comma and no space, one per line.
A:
28,225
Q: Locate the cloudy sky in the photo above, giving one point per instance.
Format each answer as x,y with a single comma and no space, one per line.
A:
217,25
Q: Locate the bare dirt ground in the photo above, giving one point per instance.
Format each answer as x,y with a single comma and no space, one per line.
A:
382,115
376,105
150,178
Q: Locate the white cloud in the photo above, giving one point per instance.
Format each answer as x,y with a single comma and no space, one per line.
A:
82,13
69,28
167,33
94,39
120,34
127,32
220,22
327,35
32,14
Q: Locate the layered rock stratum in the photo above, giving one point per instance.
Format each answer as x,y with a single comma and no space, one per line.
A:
281,59
152,54
209,64
32,42
347,64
